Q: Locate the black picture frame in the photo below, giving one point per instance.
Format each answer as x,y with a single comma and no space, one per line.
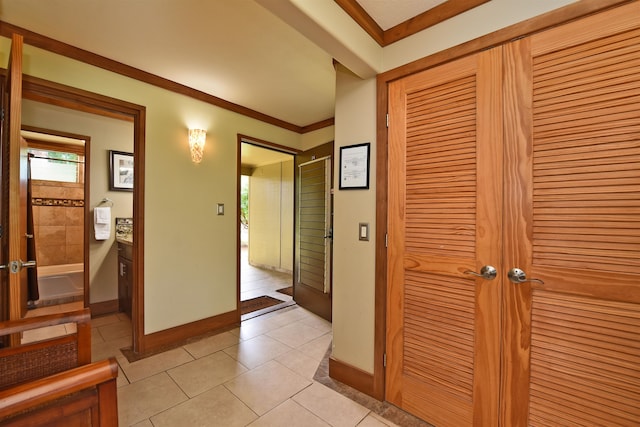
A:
120,171
354,166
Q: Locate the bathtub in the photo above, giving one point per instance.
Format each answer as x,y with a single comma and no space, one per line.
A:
61,283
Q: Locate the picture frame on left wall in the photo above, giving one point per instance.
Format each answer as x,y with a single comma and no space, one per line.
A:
120,171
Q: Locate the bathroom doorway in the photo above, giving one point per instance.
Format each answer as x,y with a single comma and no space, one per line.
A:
76,102
57,187
71,245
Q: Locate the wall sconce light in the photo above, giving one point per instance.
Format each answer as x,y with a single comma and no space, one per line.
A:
197,138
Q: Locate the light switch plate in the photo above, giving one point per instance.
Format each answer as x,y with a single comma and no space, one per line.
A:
220,208
363,231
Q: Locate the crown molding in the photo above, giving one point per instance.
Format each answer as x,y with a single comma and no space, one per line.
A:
72,52
440,13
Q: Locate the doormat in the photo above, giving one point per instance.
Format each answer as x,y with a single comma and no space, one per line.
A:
254,304
286,291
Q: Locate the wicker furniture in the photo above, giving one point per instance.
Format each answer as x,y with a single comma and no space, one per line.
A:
52,381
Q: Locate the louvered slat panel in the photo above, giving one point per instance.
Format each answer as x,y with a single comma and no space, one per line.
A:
439,98
441,169
587,155
585,367
440,142
312,225
587,59
439,314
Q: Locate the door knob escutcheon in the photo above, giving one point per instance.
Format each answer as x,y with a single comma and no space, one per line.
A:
487,272
16,266
518,276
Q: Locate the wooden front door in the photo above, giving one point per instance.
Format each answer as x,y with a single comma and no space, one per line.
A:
312,266
550,188
314,217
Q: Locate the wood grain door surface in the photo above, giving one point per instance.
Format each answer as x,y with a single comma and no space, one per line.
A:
314,219
445,202
524,156
314,242
14,191
572,102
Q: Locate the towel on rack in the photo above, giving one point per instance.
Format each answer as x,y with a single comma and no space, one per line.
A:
102,222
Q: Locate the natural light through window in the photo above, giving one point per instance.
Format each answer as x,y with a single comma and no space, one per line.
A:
50,165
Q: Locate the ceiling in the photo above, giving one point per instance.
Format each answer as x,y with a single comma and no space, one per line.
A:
236,50
388,14
254,156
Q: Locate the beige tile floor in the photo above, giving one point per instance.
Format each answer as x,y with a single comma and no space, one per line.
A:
259,374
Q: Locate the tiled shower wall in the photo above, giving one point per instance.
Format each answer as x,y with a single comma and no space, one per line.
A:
58,218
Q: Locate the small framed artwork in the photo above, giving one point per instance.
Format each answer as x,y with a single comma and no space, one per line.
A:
354,166
120,171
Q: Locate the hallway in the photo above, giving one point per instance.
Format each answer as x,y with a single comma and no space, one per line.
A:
259,374
272,370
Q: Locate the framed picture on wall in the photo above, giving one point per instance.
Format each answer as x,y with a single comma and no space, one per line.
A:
120,171
354,167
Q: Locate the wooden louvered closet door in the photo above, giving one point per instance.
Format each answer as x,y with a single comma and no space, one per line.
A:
445,201
537,168
572,219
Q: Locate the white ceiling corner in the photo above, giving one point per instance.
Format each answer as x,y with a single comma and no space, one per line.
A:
389,13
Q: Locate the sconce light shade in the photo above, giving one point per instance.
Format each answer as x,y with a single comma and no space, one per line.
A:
197,138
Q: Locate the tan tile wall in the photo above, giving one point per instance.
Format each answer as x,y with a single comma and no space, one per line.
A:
59,230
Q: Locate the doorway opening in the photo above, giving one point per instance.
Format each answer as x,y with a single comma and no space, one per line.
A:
56,196
309,222
122,121
266,226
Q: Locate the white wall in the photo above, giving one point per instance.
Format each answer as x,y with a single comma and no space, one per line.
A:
353,259
271,216
286,218
318,137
